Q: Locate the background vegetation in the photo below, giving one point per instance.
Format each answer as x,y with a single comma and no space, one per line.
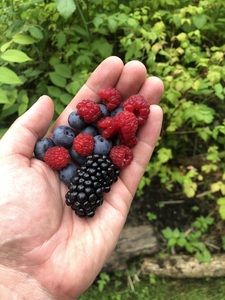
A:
51,47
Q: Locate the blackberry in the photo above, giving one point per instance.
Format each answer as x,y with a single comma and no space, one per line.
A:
87,188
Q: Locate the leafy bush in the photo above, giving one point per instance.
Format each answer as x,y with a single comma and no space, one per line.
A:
49,48
191,240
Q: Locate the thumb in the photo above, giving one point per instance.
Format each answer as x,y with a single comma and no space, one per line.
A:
24,132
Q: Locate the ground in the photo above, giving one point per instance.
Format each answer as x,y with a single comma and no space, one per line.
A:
173,210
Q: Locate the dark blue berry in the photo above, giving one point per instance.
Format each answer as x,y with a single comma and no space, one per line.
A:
80,160
102,145
90,130
104,110
66,174
63,136
116,111
41,147
76,121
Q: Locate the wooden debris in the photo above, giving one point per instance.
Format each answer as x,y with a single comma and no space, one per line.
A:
134,241
182,266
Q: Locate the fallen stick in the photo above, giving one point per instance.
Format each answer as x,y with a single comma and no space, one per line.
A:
134,241
182,266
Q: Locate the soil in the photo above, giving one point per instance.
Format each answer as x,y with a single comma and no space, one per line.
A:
169,208
173,210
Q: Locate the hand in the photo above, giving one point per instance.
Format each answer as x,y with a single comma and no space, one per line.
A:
43,244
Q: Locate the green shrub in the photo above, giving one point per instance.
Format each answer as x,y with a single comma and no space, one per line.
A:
49,48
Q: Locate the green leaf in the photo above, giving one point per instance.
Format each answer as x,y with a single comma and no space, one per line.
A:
57,79
8,76
54,91
98,20
23,39
203,256
172,242
112,24
59,108
167,232
222,211
181,242
102,46
61,39
219,91
200,113
22,108
66,7
63,70
164,155
54,61
221,201
65,98
36,32
204,133
199,21
5,46
9,111
13,55
177,20
3,97
190,189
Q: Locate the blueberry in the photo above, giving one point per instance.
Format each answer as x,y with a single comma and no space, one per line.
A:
67,173
90,130
116,111
76,121
104,110
79,159
41,147
63,136
102,145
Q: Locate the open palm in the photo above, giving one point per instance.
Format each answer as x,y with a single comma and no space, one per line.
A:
40,236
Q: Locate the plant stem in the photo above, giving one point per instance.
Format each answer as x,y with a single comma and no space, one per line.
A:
82,17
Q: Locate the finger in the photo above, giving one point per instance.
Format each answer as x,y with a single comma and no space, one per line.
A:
24,132
152,90
122,192
148,136
132,78
127,79
105,75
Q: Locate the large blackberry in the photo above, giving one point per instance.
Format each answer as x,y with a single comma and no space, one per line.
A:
93,179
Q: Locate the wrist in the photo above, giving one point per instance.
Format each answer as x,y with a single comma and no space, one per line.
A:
19,285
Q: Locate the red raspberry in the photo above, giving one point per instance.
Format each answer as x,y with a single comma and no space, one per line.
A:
57,157
138,105
89,110
107,127
131,142
121,156
110,97
127,122
83,144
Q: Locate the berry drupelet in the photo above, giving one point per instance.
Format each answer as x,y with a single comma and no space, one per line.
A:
93,179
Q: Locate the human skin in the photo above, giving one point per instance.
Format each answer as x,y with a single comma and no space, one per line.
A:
46,251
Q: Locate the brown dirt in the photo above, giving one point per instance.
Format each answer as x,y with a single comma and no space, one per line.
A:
174,211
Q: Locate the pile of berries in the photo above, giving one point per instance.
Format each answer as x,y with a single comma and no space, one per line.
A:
97,142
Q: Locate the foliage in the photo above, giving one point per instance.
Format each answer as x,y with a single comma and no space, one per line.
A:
51,47
102,281
192,240
155,288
